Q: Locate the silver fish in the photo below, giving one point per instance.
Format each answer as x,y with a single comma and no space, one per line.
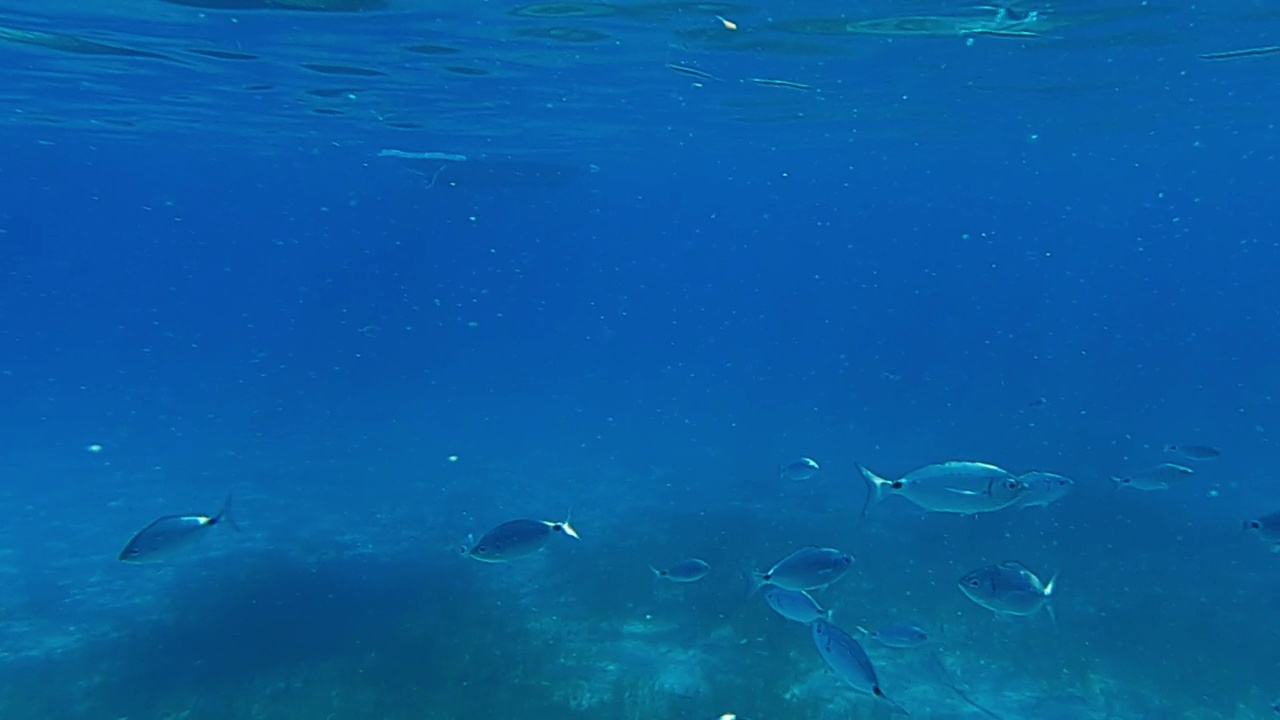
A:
1268,529
1043,489
1159,477
799,470
846,657
516,539
1008,588
1195,452
168,536
899,636
685,571
808,568
795,605
958,487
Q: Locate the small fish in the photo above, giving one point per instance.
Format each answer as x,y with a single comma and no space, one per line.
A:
1043,489
846,657
685,571
961,487
169,535
1268,529
1247,52
901,636
516,539
691,72
1195,452
1158,477
799,470
1008,588
795,605
770,82
808,568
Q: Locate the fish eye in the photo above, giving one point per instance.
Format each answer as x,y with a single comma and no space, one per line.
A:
1255,524
974,582
482,549
896,485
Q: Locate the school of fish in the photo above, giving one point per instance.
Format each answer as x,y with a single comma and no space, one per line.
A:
1006,587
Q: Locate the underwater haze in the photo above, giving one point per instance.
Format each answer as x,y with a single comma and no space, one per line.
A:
304,302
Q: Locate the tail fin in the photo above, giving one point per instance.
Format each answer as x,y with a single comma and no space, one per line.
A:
1048,599
224,515
565,528
875,488
754,579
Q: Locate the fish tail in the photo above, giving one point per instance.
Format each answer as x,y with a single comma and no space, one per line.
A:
755,580
224,515
894,708
1048,599
1119,482
566,528
656,571
875,488
467,543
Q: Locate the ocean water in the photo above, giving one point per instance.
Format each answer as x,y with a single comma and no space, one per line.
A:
390,273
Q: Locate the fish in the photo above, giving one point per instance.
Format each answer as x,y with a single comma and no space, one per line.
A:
961,487
1246,52
849,660
808,568
685,571
795,605
1043,489
771,82
516,539
169,535
1158,477
1194,452
1008,588
799,470
1268,529
900,636
691,72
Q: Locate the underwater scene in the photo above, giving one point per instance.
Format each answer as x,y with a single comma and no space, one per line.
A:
655,360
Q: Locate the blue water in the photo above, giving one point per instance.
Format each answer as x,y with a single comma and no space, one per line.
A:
640,293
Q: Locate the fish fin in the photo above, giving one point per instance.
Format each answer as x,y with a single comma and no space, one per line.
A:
755,580
656,571
566,528
224,515
1048,598
893,706
950,682
875,488
963,492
